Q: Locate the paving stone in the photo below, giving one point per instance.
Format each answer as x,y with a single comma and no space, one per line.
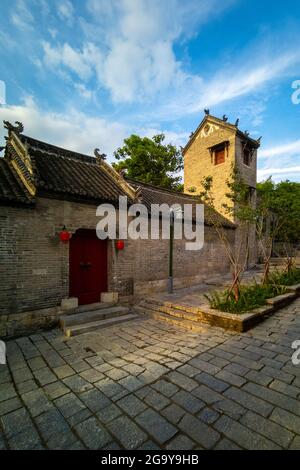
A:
231,378
200,432
55,390
7,392
158,427
36,363
131,383
36,401
95,400
180,442
28,440
237,369
188,370
149,445
92,375
212,382
284,388
133,369
226,444
80,366
182,381
207,395
78,417
295,445
10,405
44,376
63,371
286,419
64,441
69,404
110,388
127,432
24,387
243,436
116,374
229,407
131,405
208,415
204,366
50,423
156,400
278,374
267,428
258,377
77,384
109,413
166,388
188,401
249,401
93,434
15,422
278,399
173,413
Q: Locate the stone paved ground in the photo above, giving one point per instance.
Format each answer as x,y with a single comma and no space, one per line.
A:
146,385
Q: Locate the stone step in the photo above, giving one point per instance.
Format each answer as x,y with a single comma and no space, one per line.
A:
75,330
173,320
175,311
92,315
94,306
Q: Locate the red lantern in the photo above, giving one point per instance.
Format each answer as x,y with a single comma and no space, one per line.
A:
64,235
120,245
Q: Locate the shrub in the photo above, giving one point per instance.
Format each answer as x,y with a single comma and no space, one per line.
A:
251,297
285,278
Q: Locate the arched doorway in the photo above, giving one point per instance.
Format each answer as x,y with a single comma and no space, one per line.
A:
88,266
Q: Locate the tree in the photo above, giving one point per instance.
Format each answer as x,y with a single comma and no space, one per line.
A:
278,219
150,161
240,209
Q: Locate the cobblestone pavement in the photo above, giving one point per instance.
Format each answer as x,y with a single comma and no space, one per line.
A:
146,385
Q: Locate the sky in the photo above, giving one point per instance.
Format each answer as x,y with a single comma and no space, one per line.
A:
83,74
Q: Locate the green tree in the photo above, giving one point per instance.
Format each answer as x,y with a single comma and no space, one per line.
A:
150,161
240,209
278,218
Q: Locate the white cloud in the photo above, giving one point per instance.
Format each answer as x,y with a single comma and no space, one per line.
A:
65,11
280,174
80,62
290,148
136,39
22,17
74,129
83,91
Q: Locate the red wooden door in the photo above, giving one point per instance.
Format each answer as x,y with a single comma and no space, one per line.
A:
88,266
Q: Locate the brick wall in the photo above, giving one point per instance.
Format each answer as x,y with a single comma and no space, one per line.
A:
34,269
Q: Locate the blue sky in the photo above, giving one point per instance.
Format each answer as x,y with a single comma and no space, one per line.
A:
88,73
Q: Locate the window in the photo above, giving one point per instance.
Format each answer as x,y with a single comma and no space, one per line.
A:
220,155
247,157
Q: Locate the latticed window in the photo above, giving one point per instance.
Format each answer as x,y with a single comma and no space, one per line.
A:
247,157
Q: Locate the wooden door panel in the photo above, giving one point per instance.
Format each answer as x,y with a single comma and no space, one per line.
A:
88,266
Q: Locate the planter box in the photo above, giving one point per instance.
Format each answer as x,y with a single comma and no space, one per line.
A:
244,321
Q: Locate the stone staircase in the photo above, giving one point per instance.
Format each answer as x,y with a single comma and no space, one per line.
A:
178,315
89,318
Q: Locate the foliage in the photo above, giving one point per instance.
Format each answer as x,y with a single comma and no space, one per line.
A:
277,218
283,200
240,209
150,161
285,278
250,297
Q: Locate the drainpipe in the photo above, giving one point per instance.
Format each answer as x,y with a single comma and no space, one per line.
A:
171,243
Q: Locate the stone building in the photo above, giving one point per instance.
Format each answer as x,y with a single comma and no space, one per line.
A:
46,191
213,149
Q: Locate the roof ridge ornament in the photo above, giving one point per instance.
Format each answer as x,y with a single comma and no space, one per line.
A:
237,123
206,111
100,156
18,129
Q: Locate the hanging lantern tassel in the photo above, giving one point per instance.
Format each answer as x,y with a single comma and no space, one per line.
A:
120,245
64,235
